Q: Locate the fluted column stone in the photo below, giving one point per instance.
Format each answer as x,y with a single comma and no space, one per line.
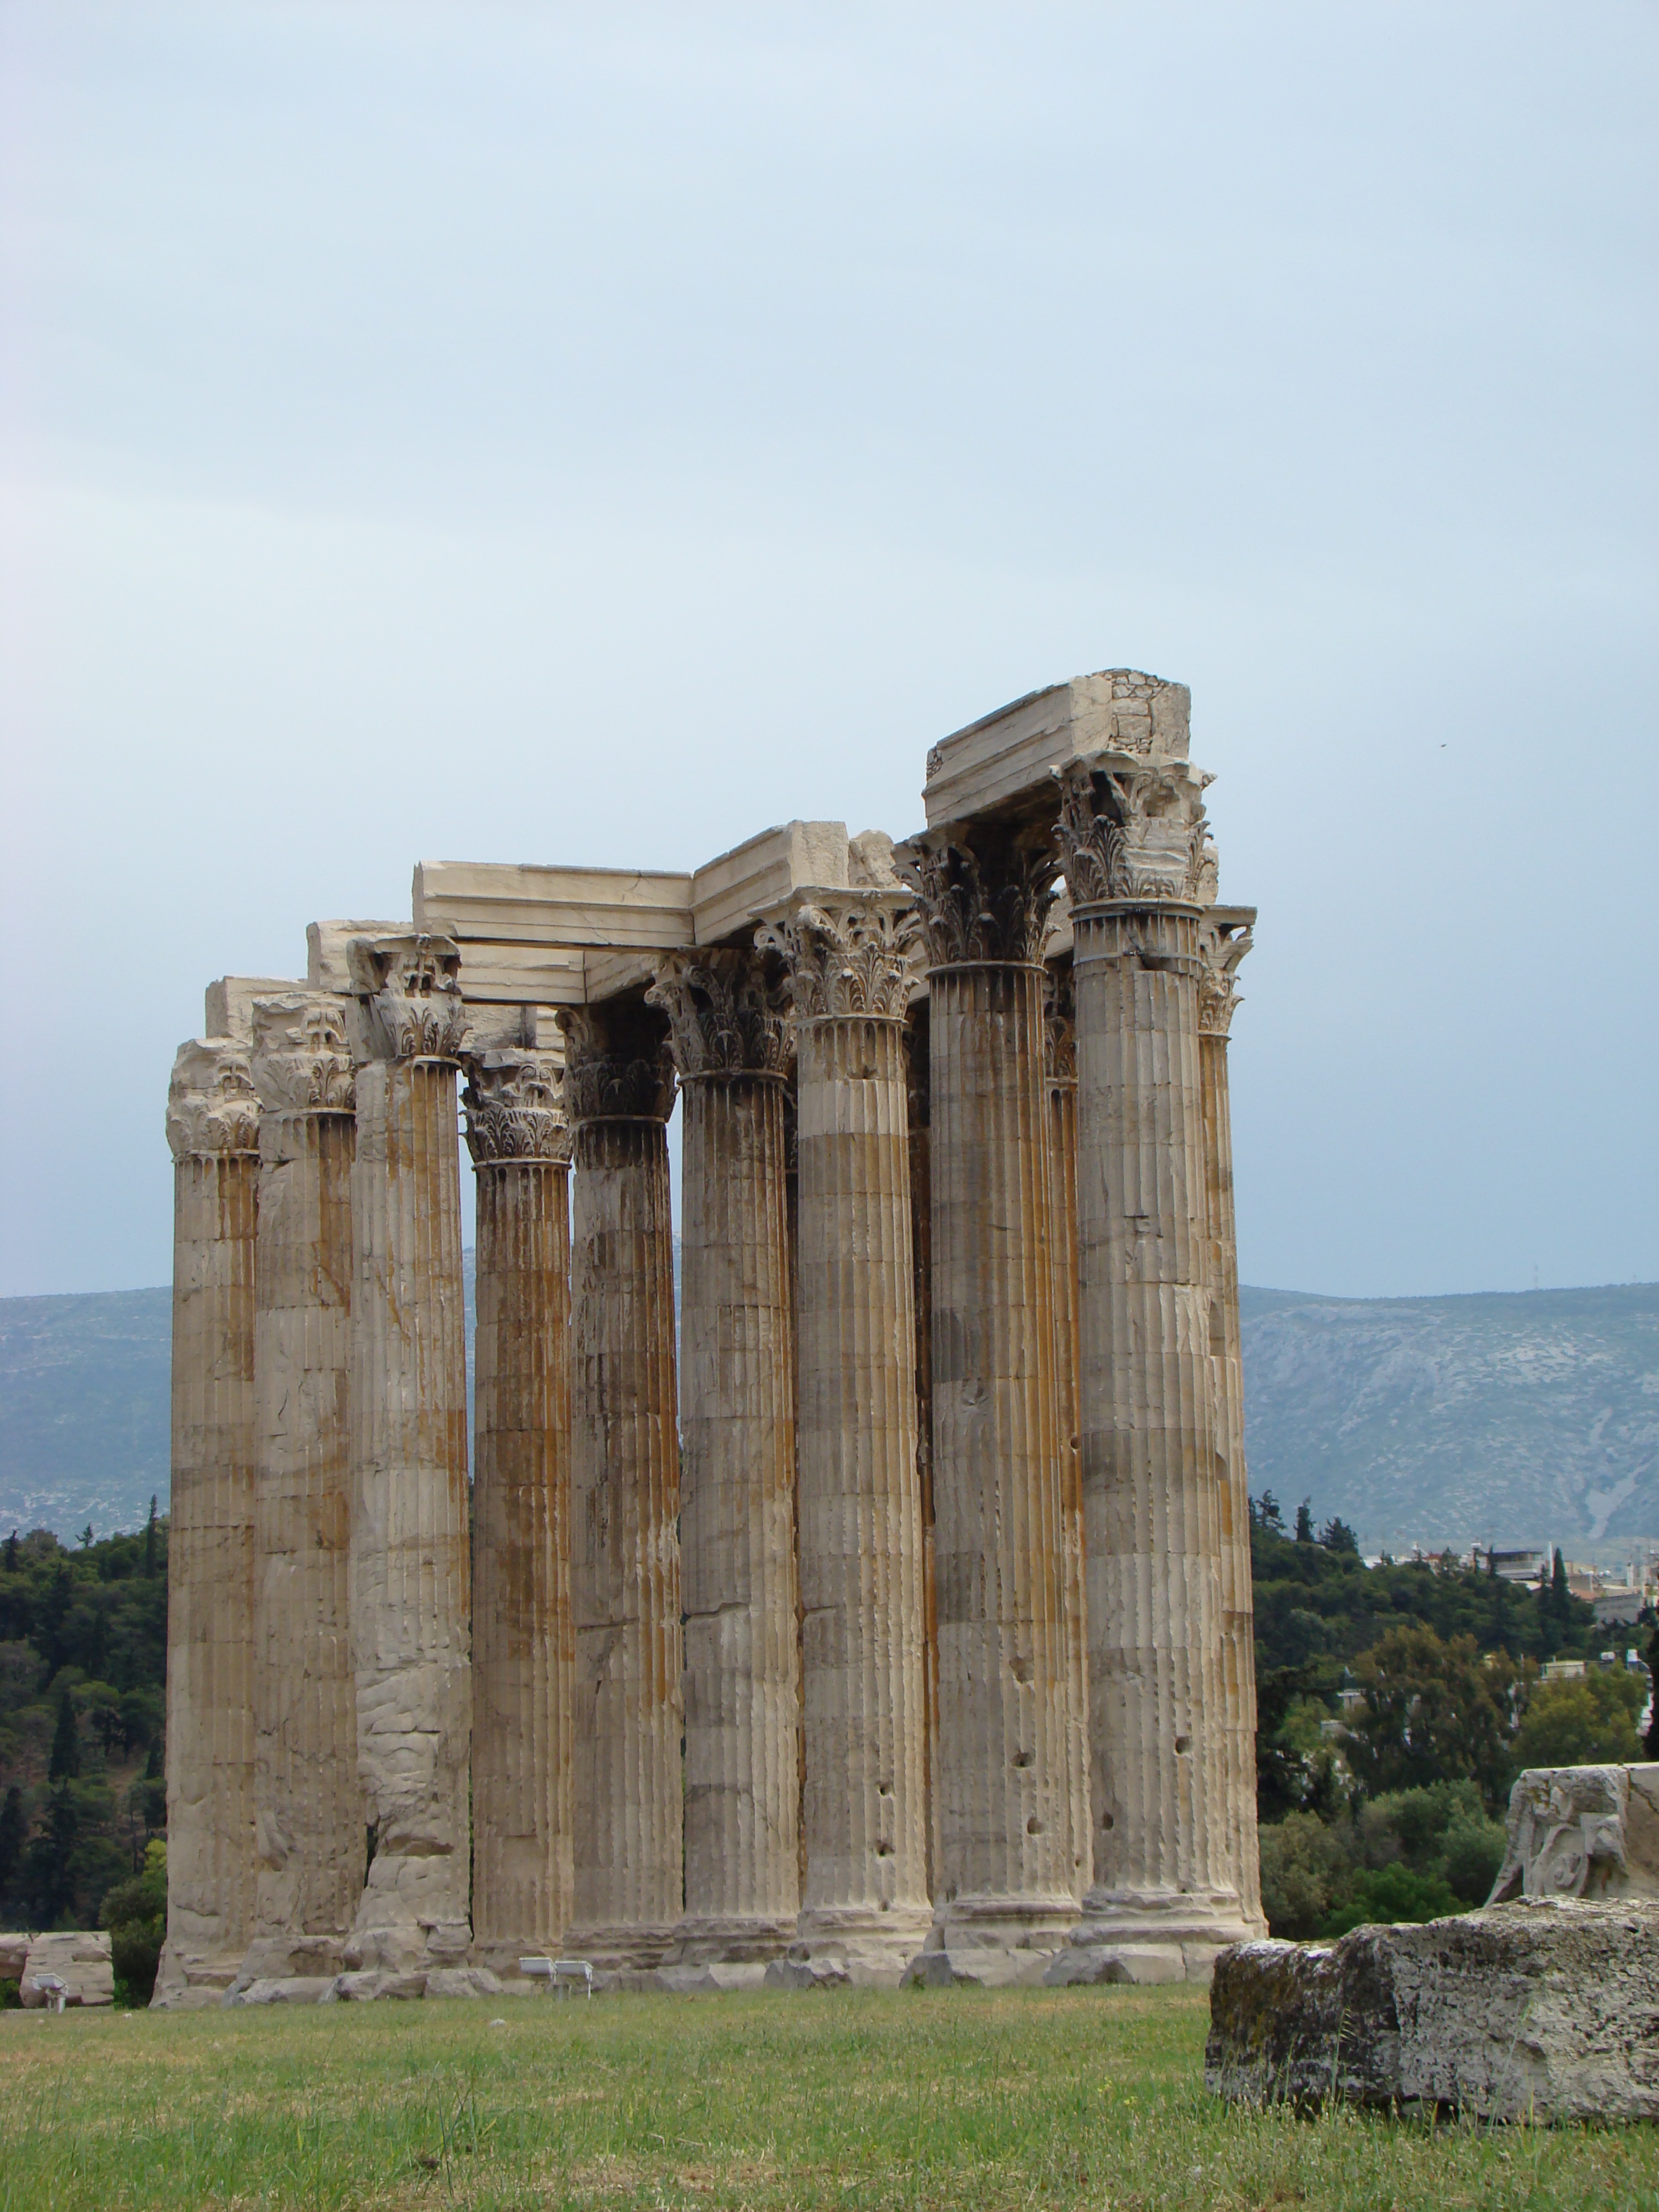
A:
309,1807
1060,1074
522,1636
213,1132
625,1490
866,1909
411,1572
730,1033
1164,1887
921,1240
1224,936
1004,1883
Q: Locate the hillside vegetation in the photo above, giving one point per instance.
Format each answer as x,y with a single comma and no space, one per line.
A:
1524,1418
83,1668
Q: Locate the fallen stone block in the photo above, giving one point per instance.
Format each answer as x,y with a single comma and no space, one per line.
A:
283,1989
1547,2009
463,1982
977,1967
1144,1963
708,1980
79,1958
14,1957
376,1982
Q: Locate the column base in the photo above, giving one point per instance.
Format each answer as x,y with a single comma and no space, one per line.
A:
1147,1937
858,1947
288,1958
730,1940
993,1941
623,1957
188,1983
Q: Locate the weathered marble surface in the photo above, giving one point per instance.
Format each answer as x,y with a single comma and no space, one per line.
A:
1581,1831
307,1804
411,1569
1544,2009
522,1636
729,1027
79,1958
213,1129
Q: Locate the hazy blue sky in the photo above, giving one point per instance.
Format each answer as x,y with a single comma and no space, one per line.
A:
594,434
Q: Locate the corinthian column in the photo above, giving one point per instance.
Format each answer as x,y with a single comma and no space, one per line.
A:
410,1583
213,1130
865,1909
730,1032
523,1640
625,1487
1060,1074
1223,939
1163,1870
309,1806
1005,1900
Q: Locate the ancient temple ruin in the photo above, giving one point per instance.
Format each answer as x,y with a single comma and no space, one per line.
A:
892,1616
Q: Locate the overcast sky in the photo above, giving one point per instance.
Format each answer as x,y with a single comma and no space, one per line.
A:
577,434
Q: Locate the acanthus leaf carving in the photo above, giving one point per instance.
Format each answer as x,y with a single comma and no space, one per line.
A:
617,1064
847,953
1058,1023
301,1058
985,892
1223,941
727,1015
212,1105
409,997
515,1101
1131,831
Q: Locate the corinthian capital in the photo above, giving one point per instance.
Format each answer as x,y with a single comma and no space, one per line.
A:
408,997
212,1105
847,952
1224,936
301,1058
1131,831
617,1066
514,1103
1058,1023
726,1014
984,889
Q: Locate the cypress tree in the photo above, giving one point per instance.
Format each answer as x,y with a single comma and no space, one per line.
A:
13,1827
65,1743
149,1538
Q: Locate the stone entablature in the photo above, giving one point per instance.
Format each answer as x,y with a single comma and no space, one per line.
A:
834,1625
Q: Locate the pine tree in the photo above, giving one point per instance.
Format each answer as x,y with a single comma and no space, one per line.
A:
149,1538
13,1827
1304,1528
65,1743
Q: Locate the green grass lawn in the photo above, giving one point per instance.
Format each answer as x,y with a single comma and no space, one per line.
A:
956,2099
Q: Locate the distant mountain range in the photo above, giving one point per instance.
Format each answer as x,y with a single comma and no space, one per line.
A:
1524,1417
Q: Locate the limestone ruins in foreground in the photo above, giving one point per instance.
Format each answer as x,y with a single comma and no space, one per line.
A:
897,1620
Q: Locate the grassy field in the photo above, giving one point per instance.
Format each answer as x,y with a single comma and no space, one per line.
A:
955,2098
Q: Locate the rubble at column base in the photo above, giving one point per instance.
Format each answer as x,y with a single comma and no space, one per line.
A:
1149,1940
868,1952
1543,2010
741,1941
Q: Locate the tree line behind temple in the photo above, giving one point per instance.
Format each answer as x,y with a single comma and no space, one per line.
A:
1396,1703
